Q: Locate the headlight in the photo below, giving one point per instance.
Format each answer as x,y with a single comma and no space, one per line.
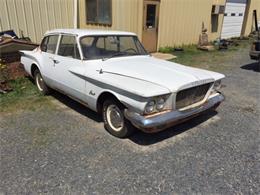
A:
150,106
160,104
156,105
217,85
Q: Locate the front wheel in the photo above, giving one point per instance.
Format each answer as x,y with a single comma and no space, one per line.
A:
114,120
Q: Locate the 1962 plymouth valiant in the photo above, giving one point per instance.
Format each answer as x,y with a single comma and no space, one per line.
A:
111,73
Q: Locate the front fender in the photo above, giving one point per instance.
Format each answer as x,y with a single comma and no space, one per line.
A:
134,104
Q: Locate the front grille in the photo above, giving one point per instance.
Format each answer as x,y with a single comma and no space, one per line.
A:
191,96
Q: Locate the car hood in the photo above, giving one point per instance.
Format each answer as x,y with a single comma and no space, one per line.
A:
163,73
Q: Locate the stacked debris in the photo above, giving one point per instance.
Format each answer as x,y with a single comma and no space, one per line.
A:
223,44
10,66
204,43
10,44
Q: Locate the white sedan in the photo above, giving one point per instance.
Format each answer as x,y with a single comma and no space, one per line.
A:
111,73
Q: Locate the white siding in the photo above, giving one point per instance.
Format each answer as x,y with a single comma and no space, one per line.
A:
233,21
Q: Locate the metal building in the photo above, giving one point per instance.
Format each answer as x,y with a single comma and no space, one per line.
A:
161,23
158,23
35,17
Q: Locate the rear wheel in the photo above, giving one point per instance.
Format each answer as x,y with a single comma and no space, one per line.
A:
114,120
42,87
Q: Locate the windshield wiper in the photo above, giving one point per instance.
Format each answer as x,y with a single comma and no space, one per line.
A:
114,55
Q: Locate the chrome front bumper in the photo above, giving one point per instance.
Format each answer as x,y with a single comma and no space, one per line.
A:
164,120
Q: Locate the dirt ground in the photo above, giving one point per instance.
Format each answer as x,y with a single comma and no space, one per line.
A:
61,147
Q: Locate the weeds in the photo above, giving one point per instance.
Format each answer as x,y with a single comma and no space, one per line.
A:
24,96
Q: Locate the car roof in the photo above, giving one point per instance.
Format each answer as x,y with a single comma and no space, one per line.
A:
87,32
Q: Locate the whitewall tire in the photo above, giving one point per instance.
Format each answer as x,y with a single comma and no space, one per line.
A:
114,120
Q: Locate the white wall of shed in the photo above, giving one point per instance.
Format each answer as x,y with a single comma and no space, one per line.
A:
232,25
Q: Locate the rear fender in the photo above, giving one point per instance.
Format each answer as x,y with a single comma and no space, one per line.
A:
28,59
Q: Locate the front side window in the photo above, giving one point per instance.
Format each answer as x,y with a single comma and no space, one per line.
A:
99,11
68,47
49,44
98,47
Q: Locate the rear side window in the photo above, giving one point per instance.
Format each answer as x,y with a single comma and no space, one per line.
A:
49,44
68,47
44,44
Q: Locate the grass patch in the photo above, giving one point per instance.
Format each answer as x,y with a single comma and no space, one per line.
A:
166,49
217,60
24,96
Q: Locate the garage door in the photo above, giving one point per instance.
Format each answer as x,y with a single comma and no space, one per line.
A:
233,18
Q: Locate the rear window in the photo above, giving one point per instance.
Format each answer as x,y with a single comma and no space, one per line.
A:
49,44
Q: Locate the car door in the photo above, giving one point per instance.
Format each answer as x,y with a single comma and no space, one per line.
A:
67,65
48,50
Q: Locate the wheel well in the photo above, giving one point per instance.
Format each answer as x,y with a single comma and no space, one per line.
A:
104,96
33,68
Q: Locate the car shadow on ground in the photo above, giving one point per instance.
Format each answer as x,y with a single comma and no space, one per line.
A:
76,106
146,139
139,137
253,66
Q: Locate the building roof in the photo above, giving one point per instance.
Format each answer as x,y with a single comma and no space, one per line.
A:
84,32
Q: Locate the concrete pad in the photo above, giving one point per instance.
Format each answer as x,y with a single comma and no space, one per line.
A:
163,56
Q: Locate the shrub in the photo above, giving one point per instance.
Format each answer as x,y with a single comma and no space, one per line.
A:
4,72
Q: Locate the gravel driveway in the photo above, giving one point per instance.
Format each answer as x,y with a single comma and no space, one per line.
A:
65,150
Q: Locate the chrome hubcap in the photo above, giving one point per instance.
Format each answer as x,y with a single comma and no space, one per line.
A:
114,118
39,82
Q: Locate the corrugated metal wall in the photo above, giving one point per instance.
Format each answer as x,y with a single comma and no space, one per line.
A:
249,20
181,21
35,17
127,15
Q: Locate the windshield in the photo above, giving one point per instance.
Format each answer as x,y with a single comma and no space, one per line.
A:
101,47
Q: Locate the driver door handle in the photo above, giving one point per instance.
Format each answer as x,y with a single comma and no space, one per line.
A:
54,61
